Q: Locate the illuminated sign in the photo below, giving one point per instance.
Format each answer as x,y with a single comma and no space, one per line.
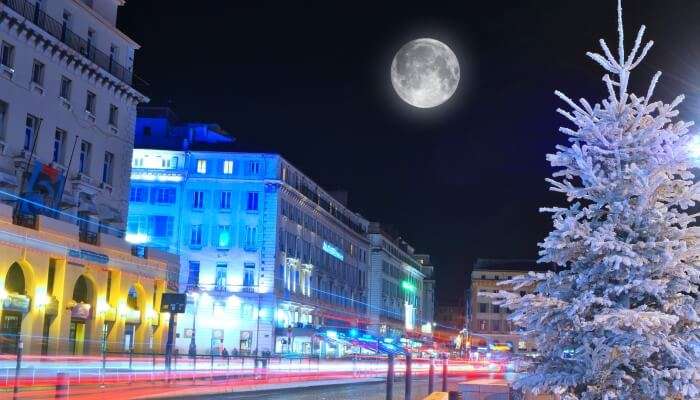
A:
155,177
407,285
332,250
89,256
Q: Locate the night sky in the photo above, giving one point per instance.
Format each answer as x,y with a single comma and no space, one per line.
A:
461,181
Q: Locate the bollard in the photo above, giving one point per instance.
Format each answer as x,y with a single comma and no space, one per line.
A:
20,346
444,373
431,376
390,378
407,378
62,385
453,395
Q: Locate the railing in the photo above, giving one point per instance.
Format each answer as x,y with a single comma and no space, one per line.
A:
88,237
25,220
61,32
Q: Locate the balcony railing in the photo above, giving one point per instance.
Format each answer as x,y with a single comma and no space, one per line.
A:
61,32
88,237
25,220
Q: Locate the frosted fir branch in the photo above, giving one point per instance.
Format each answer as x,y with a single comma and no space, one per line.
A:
646,49
620,33
637,42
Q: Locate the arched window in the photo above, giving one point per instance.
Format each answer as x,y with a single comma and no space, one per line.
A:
14,280
80,291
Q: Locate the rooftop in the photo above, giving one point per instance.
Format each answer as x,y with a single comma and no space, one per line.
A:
489,264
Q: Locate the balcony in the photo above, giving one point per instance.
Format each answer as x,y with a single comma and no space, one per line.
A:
88,237
25,220
61,32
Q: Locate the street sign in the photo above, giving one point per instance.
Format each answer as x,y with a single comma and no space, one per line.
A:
173,303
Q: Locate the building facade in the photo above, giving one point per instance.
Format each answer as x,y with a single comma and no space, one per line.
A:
395,285
428,270
69,283
270,260
489,327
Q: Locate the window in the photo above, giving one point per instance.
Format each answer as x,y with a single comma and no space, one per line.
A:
198,200
250,240
220,280
84,160
30,127
113,115
90,102
246,312
225,200
91,40
496,277
38,73
137,224
66,86
253,167
7,55
193,274
113,54
51,277
201,166
224,236
196,235
107,168
483,324
496,325
482,307
162,226
495,308
249,274
3,118
58,140
252,204
164,195
147,131
139,194
228,167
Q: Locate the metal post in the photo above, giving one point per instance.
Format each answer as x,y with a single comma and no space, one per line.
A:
153,347
444,373
407,378
104,352
431,376
20,346
131,356
62,385
390,378
169,343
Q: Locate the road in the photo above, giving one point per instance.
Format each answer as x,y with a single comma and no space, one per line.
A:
366,391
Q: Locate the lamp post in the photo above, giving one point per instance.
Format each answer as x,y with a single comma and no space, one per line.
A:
194,295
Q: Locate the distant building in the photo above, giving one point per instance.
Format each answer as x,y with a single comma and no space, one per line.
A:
70,283
270,260
428,270
395,285
488,324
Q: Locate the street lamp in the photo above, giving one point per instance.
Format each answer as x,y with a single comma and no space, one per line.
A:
194,293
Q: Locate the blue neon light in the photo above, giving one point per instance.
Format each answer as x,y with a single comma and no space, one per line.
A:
332,250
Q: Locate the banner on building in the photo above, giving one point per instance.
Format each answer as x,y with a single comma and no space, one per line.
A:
42,190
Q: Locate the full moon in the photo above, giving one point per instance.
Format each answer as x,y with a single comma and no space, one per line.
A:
425,73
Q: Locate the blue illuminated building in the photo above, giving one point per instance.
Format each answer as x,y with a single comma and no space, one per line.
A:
269,259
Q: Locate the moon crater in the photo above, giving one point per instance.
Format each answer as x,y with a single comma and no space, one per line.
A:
425,73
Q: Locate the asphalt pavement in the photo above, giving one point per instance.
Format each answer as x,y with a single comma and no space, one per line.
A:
360,391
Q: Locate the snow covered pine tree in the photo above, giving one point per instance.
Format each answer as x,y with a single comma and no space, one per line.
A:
620,318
